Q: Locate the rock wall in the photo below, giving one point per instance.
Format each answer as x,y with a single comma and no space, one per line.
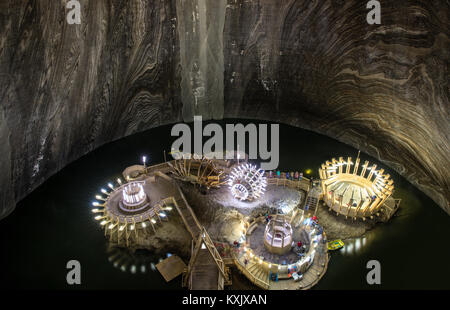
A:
67,89
318,65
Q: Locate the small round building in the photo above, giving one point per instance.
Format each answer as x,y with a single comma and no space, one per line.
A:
278,236
354,190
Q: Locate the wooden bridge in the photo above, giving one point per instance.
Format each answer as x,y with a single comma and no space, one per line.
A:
206,269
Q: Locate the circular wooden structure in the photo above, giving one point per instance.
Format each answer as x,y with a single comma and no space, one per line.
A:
354,190
198,170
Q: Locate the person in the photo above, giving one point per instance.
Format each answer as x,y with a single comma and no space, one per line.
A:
299,244
278,173
270,174
301,176
287,175
296,175
292,175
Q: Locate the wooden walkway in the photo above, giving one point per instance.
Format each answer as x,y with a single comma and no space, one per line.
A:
206,269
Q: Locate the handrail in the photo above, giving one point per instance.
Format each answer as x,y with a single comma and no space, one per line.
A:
203,237
302,184
199,226
261,283
213,251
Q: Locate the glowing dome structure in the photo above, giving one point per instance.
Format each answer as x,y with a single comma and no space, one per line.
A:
133,197
278,236
247,182
353,190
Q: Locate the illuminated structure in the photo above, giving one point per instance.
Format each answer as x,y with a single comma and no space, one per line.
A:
134,198
247,182
126,214
198,170
278,236
353,190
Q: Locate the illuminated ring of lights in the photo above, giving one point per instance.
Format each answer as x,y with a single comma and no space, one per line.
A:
247,182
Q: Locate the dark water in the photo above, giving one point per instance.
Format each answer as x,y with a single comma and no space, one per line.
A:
54,225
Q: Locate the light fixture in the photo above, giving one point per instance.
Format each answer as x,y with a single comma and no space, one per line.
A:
247,182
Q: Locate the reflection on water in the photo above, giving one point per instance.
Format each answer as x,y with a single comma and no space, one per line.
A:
355,246
141,261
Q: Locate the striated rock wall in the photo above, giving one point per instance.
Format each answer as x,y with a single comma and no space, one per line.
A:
133,65
67,89
200,33
381,88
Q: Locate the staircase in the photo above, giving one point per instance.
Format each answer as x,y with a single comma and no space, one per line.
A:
311,203
258,273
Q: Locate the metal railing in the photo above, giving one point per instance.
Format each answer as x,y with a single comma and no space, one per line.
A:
297,184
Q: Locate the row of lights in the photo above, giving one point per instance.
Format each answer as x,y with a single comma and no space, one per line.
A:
260,260
100,207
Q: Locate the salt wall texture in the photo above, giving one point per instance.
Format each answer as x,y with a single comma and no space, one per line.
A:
133,65
67,89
